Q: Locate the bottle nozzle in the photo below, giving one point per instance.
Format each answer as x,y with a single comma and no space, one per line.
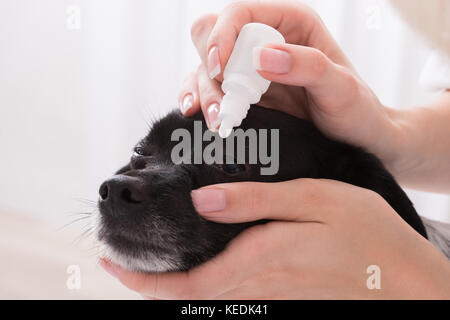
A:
226,127
233,109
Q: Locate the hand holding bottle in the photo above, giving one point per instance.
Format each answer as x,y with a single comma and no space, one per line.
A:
242,83
311,77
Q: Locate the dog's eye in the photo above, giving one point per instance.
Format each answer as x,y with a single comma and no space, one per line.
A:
139,151
233,168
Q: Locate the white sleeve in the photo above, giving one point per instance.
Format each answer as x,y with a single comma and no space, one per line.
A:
438,234
436,74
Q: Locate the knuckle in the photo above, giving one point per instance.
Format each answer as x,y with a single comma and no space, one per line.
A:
352,87
202,23
207,96
304,12
313,193
208,91
319,64
239,10
352,82
236,7
256,199
201,69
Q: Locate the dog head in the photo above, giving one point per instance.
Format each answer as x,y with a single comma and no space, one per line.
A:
146,218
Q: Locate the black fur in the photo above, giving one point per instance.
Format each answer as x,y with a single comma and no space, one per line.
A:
154,219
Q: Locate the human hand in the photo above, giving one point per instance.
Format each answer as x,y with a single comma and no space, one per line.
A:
311,76
319,247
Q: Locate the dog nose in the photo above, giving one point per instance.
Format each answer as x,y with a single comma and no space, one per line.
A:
122,190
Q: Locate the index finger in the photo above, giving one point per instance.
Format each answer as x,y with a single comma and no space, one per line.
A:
296,21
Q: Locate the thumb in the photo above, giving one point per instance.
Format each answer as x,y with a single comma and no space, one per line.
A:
301,200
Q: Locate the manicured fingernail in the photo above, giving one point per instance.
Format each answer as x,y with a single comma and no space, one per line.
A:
209,200
213,62
109,267
212,116
187,103
272,60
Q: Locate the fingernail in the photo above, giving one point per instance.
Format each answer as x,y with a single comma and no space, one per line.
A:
212,116
209,200
187,103
109,267
213,62
271,60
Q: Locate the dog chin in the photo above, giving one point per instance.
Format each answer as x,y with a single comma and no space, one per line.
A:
147,263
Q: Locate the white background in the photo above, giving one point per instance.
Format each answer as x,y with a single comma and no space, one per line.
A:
75,99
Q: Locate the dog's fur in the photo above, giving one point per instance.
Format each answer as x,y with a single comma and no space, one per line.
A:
147,220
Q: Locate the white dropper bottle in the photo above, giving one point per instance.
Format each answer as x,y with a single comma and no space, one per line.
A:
242,84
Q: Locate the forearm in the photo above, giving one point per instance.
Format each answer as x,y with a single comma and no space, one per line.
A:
423,146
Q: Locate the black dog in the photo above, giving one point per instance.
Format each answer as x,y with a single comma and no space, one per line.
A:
147,221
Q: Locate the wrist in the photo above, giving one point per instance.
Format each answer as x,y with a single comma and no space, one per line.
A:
406,152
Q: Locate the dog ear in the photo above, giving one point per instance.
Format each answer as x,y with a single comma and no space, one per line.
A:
124,169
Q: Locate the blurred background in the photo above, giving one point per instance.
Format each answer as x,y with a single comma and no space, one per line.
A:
79,82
